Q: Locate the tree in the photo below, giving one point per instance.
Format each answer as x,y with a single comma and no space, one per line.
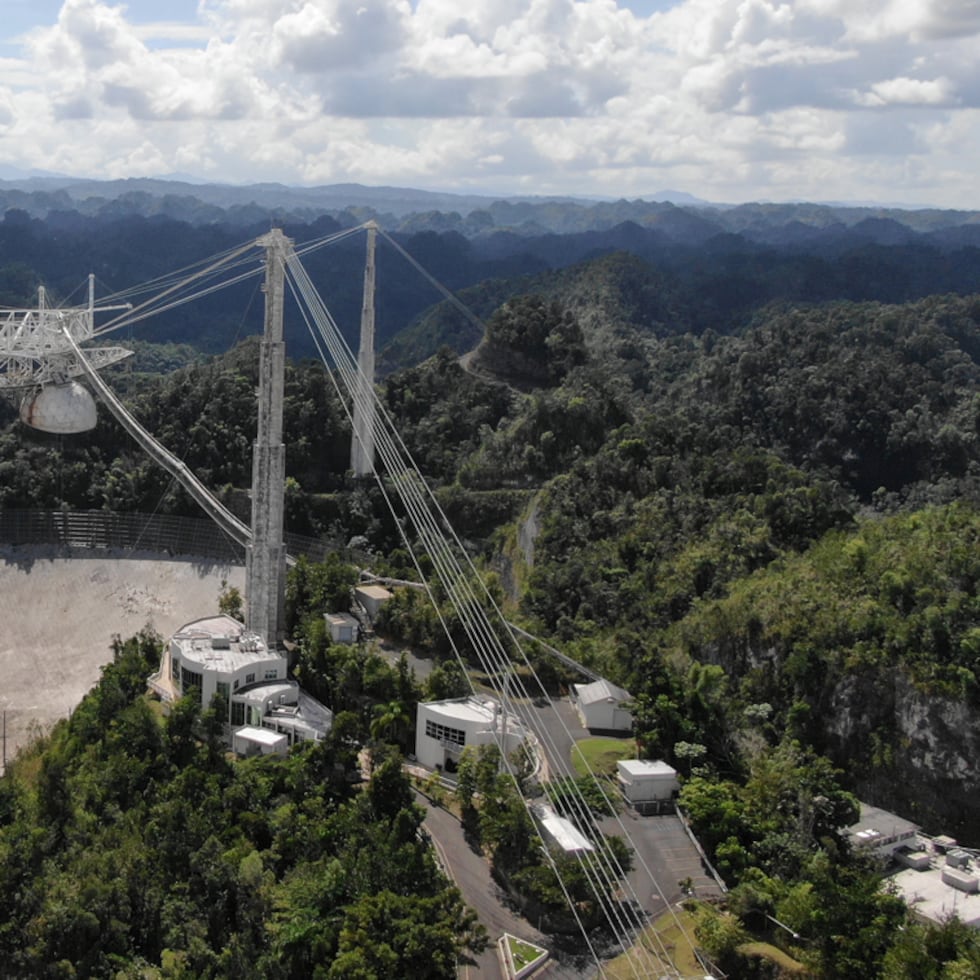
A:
391,721
230,601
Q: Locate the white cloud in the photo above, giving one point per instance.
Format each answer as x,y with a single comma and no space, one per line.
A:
911,91
769,96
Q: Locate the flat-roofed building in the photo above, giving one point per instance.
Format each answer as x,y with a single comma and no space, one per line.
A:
881,831
372,598
647,785
258,741
937,885
342,626
444,728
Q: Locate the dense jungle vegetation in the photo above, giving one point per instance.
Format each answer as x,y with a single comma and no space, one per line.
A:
133,847
751,498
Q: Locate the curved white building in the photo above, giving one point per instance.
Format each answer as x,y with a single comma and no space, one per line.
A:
217,655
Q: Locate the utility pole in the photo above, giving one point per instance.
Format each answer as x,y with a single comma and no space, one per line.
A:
265,571
362,438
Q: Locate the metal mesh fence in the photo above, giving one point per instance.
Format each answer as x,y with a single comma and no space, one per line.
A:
153,533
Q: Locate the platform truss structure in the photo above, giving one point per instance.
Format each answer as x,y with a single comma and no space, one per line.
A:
35,349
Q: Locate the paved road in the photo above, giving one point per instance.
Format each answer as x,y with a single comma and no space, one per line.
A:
470,871
563,727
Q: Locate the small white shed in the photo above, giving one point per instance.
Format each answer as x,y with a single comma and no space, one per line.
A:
649,786
342,626
600,705
258,741
372,598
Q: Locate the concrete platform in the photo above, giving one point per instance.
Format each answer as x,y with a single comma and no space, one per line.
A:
59,614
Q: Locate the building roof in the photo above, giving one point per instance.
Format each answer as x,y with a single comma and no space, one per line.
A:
479,709
648,768
929,897
600,690
875,823
222,644
562,831
341,619
260,736
374,591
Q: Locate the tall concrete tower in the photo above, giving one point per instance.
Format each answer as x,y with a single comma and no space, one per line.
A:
265,567
362,439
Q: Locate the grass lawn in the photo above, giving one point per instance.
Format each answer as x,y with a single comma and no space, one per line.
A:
522,952
646,957
773,954
601,754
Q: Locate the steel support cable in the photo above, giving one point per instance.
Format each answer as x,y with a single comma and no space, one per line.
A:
338,358
331,239
146,311
464,601
501,743
180,275
161,455
224,260
445,290
478,629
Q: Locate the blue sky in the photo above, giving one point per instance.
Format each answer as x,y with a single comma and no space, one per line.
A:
730,100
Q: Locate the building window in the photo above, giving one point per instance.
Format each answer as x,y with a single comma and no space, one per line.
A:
174,668
189,679
271,675
237,713
236,684
224,689
455,736
250,678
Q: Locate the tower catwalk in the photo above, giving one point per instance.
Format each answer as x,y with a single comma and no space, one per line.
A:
362,438
265,570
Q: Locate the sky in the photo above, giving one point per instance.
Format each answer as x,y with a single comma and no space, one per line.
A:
728,100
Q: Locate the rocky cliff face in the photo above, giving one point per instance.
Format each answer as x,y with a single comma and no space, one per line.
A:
909,751
903,748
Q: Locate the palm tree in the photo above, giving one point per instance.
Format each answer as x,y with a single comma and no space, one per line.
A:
390,722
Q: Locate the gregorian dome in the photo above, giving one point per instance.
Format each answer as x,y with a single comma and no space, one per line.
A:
62,409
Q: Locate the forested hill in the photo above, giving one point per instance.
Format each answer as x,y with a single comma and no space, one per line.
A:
750,496
665,474
696,268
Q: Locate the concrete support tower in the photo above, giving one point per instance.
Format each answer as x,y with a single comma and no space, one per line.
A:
265,572
362,439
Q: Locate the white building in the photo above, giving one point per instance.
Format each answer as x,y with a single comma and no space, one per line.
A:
258,741
560,832
444,728
217,655
600,705
938,882
649,786
343,627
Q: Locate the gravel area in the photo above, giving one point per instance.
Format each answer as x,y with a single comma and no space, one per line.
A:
59,613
